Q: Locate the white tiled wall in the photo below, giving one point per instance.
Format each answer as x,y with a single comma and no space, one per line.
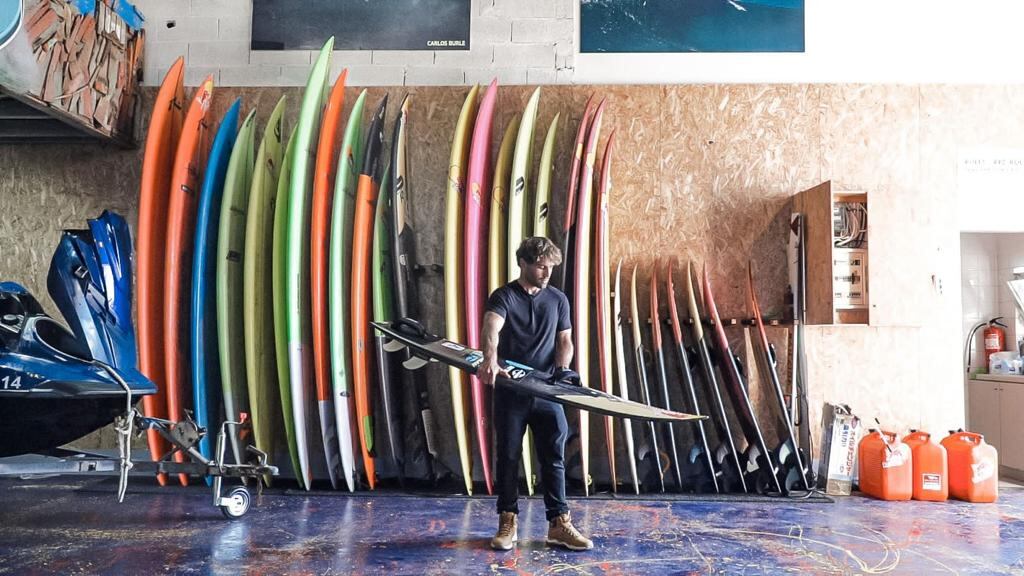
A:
1010,256
979,269
987,263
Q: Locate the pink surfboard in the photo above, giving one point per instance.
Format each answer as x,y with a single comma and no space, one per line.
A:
478,201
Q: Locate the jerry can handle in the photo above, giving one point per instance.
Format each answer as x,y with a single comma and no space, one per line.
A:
914,433
970,437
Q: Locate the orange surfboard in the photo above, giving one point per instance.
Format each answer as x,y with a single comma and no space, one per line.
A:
157,163
362,234
320,241
186,176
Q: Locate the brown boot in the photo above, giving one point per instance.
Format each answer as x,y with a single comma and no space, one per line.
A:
508,532
561,532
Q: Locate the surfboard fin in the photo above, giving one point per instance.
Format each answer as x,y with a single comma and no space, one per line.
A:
393,346
414,362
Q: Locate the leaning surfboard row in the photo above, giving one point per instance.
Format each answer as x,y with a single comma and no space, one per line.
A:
260,268
265,253
715,461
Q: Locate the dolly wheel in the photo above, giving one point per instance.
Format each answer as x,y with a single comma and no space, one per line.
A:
236,504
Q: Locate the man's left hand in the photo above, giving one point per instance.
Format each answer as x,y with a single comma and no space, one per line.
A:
568,376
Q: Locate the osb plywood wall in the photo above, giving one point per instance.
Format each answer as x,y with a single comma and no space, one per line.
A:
701,173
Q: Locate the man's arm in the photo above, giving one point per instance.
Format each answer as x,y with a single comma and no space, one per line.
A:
563,349
490,370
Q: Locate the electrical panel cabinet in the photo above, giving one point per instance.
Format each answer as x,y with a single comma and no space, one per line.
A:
836,237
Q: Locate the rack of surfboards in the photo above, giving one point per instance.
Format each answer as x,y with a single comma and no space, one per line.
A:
492,204
265,252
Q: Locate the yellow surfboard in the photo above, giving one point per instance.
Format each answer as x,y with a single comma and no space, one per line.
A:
454,312
497,246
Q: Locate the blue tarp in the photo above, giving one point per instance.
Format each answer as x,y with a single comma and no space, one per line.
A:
84,7
131,15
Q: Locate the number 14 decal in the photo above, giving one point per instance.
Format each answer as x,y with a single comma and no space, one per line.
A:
8,383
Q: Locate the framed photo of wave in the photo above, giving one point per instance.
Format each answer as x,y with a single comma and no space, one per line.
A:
361,24
691,26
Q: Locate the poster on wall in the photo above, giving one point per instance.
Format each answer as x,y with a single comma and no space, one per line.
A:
990,182
691,26
361,24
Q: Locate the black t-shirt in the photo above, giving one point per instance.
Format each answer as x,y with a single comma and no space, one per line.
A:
532,323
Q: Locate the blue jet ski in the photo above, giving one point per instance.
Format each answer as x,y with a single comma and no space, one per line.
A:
90,280
57,385
51,390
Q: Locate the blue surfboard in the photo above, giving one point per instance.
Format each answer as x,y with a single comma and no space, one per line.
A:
206,388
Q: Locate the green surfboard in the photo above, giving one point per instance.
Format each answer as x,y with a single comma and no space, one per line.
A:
545,173
519,227
339,279
519,183
258,309
230,247
280,310
297,288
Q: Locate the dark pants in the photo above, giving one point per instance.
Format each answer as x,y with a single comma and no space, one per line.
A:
513,412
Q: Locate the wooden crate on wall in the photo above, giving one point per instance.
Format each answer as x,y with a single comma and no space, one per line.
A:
80,64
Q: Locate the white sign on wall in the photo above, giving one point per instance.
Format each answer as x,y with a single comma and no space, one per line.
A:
990,190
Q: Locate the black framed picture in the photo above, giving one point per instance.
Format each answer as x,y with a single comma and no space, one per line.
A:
361,24
691,25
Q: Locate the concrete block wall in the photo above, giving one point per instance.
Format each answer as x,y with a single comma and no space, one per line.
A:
515,41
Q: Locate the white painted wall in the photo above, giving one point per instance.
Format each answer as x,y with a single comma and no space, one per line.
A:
534,42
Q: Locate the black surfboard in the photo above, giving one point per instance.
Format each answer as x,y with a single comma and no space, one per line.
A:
758,453
426,347
726,455
794,474
701,450
406,295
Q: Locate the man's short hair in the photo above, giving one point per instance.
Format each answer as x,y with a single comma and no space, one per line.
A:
531,250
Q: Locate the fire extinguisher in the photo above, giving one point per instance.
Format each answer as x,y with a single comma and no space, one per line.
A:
994,337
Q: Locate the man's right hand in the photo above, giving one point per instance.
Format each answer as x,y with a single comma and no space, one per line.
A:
490,370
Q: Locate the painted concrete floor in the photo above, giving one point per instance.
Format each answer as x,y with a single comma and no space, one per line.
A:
70,525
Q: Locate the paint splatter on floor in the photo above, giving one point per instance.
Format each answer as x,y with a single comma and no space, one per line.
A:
75,526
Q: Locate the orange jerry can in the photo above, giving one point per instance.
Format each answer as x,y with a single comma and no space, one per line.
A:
973,467
931,471
886,469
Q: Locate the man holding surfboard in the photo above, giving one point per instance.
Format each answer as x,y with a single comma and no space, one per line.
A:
528,322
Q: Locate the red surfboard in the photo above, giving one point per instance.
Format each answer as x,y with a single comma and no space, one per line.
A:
569,223
157,163
189,164
581,292
603,304
320,250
